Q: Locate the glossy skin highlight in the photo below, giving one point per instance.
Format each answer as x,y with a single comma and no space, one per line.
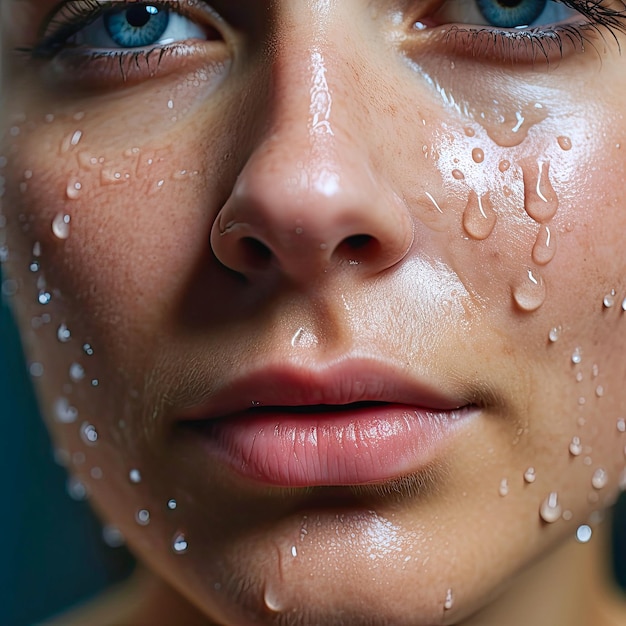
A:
289,193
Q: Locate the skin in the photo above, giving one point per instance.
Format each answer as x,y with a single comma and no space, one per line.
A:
334,118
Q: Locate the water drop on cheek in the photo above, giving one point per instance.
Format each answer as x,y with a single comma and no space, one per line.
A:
479,217
478,155
458,175
530,293
599,479
61,226
530,475
565,143
540,199
550,509
180,544
545,246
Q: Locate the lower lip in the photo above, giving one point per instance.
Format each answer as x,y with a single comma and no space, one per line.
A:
350,447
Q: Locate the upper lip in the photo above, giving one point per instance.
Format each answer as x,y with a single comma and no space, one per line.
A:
346,382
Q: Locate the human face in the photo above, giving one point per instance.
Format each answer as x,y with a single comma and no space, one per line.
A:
303,204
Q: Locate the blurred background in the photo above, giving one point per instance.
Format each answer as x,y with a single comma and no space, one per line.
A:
53,554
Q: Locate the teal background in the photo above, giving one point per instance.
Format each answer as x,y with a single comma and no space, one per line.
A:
51,551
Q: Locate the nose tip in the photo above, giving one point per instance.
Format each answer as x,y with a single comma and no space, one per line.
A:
285,216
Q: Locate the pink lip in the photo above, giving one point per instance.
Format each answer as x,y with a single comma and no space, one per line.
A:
355,422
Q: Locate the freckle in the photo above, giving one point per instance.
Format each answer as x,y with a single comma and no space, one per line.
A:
565,143
478,155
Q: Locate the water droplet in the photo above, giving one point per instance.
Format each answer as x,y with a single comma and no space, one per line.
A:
63,412
61,226
550,509
172,504
583,533
478,155
541,201
469,131
179,543
449,601
135,476
554,334
272,602
545,246
112,536
63,333
77,372
37,249
579,377
96,473
609,299
624,304
76,489
87,349
89,434
458,174
294,551
577,356
36,370
575,447
595,370
599,391
479,218
504,165
565,143
621,425
4,254
529,475
599,479
73,189
43,297
508,127
143,517
530,294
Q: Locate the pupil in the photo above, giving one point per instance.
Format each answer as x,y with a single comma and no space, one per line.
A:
139,16
509,4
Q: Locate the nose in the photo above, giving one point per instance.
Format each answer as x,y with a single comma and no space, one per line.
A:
308,199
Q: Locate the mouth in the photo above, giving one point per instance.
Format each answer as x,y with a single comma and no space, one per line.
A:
346,425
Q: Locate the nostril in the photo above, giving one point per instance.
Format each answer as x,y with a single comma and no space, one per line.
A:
358,248
255,253
358,242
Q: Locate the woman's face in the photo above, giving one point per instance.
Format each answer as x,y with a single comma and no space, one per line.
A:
324,300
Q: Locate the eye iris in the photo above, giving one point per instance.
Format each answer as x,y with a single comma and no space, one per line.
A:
511,13
136,26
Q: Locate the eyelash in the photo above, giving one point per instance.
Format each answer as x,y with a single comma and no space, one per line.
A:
502,45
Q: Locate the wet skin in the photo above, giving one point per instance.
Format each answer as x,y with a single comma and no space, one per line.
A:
324,187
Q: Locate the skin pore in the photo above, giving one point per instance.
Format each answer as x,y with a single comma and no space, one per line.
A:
298,192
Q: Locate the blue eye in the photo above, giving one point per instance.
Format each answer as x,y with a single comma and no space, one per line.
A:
136,26
511,13
504,13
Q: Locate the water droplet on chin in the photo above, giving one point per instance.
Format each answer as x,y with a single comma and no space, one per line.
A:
583,533
179,544
550,509
479,218
541,202
575,447
565,143
63,333
530,294
143,517
599,479
61,226
478,155
530,475
89,434
545,246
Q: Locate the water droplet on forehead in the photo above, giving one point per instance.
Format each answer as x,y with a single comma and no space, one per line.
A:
550,509
180,544
88,434
61,226
599,479
135,476
583,533
63,333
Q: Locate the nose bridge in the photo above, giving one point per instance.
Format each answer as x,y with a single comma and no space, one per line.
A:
308,186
